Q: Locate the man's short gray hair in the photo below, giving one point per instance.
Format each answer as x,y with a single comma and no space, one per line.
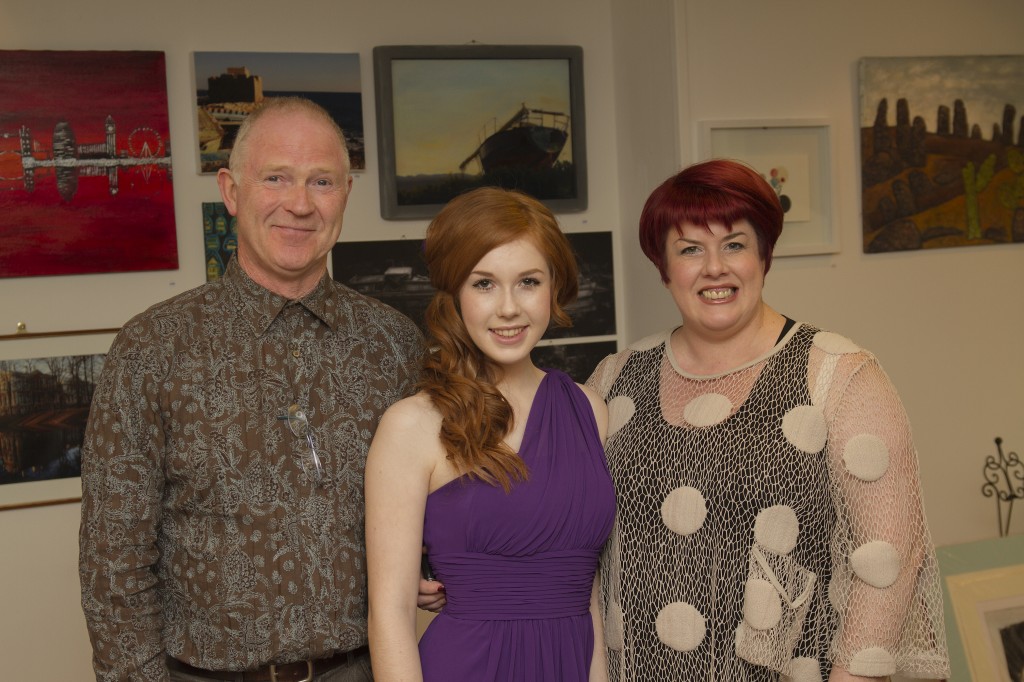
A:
283,105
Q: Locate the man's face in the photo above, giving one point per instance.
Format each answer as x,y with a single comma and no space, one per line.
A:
289,196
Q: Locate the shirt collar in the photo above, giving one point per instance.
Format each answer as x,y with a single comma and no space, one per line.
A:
263,306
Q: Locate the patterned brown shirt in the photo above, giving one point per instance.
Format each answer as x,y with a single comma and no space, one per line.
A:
202,536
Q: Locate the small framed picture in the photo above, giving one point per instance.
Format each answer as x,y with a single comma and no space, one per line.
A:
795,157
453,118
48,381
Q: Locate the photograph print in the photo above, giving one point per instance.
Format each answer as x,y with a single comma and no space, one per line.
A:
578,360
85,163
230,84
453,118
393,271
44,405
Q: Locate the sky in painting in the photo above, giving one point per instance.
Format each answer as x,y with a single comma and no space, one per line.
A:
442,105
286,71
985,84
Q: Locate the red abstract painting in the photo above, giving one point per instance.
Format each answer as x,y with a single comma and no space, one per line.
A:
85,163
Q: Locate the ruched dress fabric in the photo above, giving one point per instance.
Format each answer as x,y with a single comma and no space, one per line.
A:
518,568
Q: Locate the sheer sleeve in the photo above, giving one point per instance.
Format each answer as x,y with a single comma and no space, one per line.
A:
885,581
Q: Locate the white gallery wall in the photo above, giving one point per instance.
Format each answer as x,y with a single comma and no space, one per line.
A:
947,325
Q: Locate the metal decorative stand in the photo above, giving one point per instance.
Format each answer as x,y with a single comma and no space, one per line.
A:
1004,480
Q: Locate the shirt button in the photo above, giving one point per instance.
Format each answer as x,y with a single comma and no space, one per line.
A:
296,353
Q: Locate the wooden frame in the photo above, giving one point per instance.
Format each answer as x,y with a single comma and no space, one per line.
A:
795,156
983,586
444,126
28,347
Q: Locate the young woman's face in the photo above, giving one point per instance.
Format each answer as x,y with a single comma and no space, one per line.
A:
506,302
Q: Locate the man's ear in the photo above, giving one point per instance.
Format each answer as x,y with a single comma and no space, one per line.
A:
228,189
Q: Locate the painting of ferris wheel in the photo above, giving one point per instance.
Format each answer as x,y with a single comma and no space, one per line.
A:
85,163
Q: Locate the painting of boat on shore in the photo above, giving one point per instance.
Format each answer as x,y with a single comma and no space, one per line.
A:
456,118
230,84
942,151
394,272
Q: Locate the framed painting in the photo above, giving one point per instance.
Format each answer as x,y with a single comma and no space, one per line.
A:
85,163
983,585
452,118
795,157
220,237
941,151
230,84
46,387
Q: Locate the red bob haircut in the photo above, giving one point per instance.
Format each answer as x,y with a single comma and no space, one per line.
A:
715,191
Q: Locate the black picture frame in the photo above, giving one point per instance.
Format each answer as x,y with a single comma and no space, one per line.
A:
439,95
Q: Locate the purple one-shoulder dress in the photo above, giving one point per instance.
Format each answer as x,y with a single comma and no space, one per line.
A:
518,568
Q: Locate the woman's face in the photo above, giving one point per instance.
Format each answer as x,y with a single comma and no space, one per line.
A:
506,302
715,277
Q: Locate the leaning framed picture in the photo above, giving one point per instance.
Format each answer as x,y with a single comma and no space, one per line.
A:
452,118
795,157
983,585
46,386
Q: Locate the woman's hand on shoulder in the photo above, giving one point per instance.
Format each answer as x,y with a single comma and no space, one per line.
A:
600,410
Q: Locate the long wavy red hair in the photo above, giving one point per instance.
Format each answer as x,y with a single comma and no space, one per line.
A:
458,377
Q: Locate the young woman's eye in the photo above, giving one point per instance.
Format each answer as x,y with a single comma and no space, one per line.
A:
483,284
531,282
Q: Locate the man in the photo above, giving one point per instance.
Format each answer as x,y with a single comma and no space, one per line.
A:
222,501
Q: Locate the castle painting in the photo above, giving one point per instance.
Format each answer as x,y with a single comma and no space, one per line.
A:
942,151
85,163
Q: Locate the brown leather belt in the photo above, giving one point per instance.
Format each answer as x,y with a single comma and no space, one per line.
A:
300,671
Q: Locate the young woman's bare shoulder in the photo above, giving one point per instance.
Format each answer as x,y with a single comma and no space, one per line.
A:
413,413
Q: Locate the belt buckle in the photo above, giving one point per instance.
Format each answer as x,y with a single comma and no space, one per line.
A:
307,678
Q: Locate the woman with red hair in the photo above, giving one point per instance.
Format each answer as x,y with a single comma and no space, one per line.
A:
769,517
496,466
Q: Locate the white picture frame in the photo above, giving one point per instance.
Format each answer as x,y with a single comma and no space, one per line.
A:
795,155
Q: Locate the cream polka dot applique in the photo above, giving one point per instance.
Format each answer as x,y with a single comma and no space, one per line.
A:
877,563
684,510
804,426
866,457
762,608
835,344
803,669
776,529
873,662
707,410
620,410
680,626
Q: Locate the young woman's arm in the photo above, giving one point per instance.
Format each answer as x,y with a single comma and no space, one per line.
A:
398,470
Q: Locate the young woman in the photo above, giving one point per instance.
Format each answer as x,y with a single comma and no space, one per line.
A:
496,466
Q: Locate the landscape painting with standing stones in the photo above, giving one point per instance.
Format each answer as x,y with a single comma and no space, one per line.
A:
942,151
